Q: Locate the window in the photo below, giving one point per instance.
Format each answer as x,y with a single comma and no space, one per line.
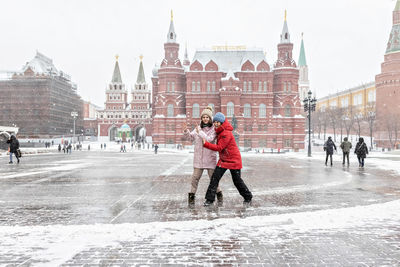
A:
287,111
213,86
247,111
244,86
230,109
170,110
262,143
250,86
265,86
260,86
288,142
262,112
193,86
371,96
196,111
213,107
284,87
198,86
289,87
357,99
167,86
344,102
208,86
172,87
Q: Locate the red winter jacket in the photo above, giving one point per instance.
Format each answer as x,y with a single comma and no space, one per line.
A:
229,154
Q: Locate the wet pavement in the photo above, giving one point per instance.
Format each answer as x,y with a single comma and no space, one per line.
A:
110,208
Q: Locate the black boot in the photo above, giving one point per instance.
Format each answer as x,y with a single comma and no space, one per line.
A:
191,198
220,198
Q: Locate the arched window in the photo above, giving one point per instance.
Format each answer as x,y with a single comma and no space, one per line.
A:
230,109
196,111
198,86
213,86
262,112
170,110
247,111
288,111
173,87
193,86
265,86
250,86
260,86
284,86
289,87
208,86
168,86
244,86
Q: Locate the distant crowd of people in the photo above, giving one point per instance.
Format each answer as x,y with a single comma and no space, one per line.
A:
361,150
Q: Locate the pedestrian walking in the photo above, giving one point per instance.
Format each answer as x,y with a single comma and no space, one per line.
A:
361,151
204,158
88,147
346,146
155,149
229,158
328,148
101,146
14,148
59,147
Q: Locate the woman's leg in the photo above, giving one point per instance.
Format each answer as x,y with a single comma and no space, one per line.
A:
212,188
240,185
197,173
210,173
11,157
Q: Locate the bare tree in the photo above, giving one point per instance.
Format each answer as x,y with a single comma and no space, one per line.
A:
392,124
317,122
348,120
332,118
358,119
370,118
324,122
339,119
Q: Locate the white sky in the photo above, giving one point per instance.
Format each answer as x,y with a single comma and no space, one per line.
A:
345,40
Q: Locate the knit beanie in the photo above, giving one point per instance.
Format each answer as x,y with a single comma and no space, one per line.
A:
219,117
207,111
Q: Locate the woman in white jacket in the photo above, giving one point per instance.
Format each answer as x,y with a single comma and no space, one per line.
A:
204,158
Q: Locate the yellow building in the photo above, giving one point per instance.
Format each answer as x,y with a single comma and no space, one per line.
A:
361,98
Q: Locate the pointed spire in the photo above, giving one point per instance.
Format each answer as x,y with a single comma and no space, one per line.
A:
285,36
397,8
186,60
140,77
171,37
302,57
117,74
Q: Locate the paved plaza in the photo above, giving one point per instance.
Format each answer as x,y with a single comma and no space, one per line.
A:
108,208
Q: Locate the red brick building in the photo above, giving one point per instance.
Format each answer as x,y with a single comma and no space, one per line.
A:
236,81
119,110
39,100
388,89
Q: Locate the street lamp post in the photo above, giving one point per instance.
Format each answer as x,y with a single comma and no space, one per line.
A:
309,106
74,114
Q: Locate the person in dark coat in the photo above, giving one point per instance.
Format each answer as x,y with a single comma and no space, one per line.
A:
328,148
361,151
14,146
346,146
155,149
229,158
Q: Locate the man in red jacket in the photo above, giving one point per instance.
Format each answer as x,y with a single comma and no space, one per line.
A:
229,158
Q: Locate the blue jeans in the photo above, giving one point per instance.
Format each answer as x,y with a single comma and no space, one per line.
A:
361,161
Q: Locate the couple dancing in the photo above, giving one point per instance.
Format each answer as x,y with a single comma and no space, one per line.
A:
215,134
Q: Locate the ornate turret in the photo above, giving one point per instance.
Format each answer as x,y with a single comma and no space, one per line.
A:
186,61
171,37
285,48
140,77
304,84
116,78
393,44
